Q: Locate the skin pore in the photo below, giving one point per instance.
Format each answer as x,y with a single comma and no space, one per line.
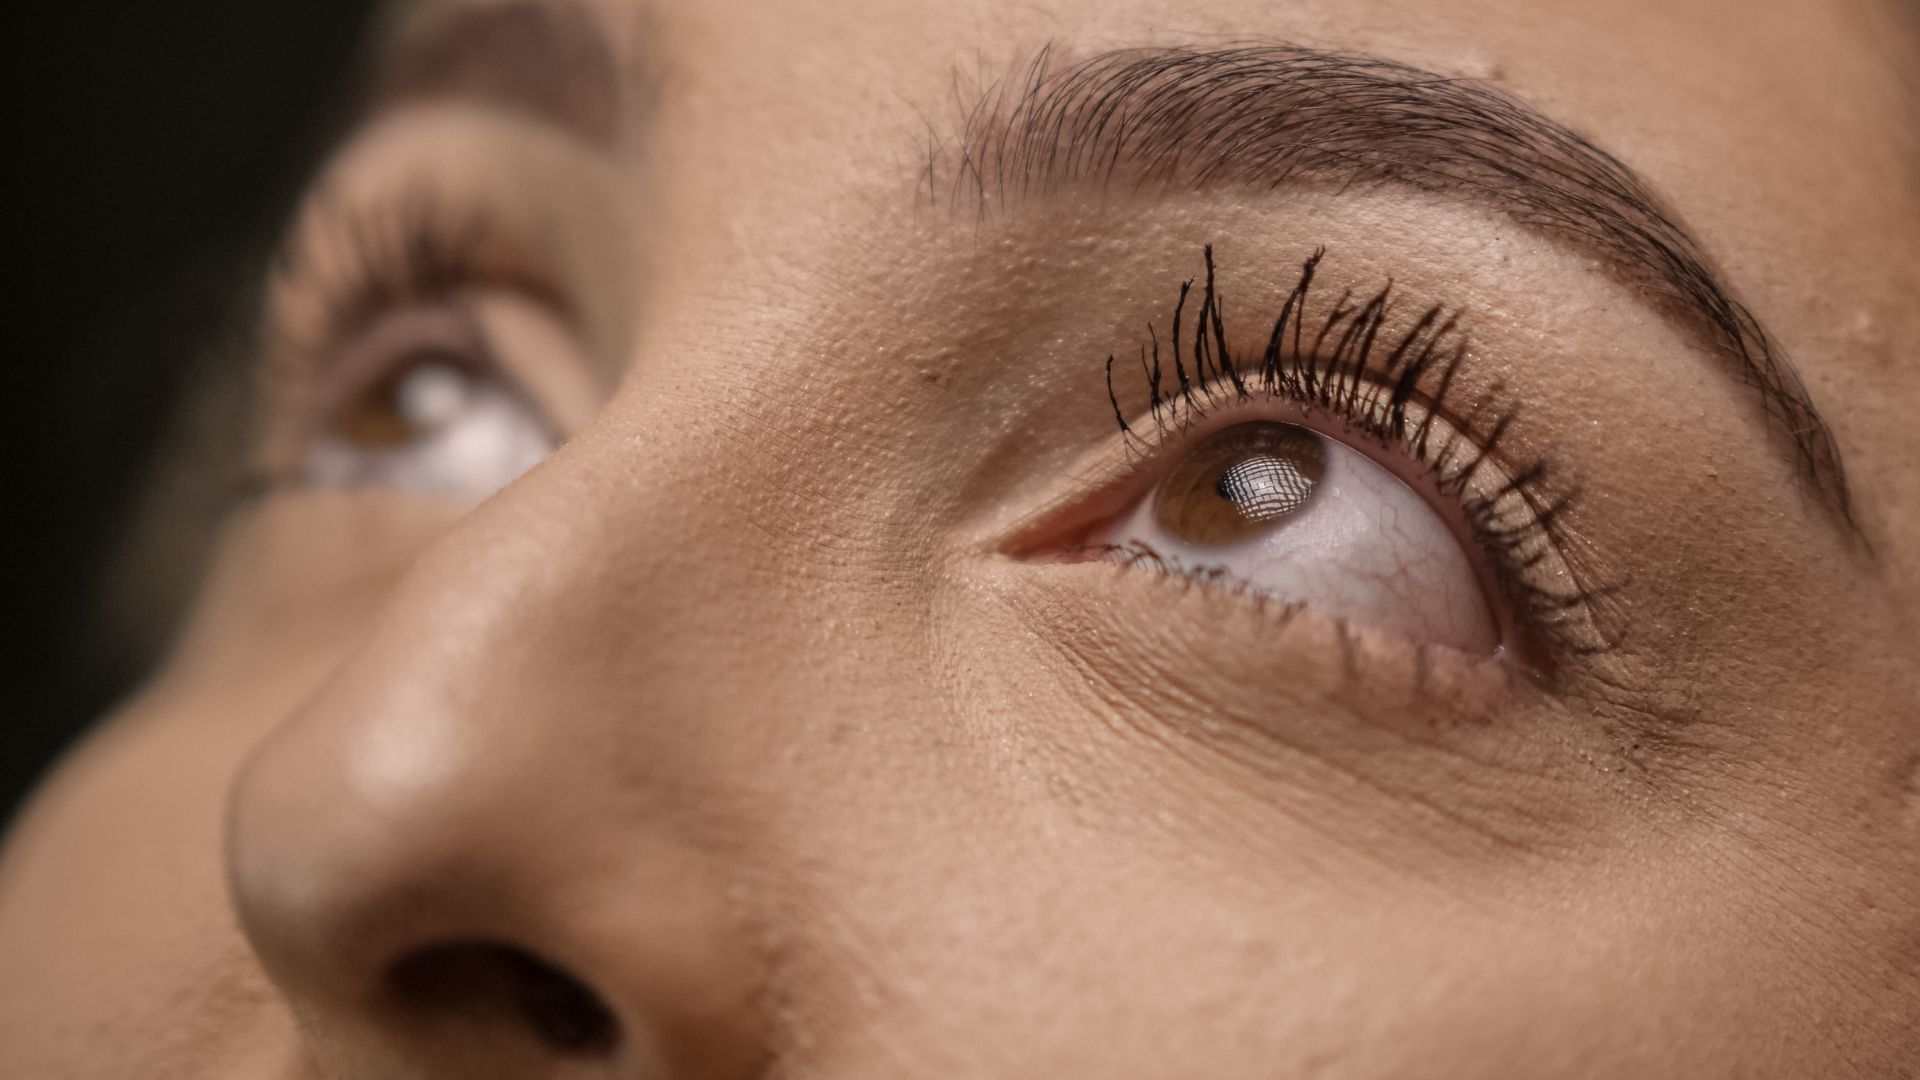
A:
803,713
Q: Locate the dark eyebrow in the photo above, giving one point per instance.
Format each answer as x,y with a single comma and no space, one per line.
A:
1266,116
554,59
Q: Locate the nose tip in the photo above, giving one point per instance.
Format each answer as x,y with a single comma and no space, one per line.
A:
449,879
390,883
471,855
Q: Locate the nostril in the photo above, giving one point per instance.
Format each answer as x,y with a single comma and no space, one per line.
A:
499,987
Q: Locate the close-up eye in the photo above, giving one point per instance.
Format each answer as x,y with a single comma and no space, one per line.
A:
429,345
425,407
1333,470
1285,512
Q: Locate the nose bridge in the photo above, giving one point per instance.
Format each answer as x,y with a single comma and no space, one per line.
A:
478,798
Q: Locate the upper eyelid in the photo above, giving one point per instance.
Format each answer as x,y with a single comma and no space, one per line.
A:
402,214
1121,479
1172,419
1367,364
353,264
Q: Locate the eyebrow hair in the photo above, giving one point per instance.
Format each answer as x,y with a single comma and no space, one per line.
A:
1266,116
553,59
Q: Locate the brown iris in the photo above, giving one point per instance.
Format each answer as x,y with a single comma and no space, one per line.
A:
375,420
412,400
1238,482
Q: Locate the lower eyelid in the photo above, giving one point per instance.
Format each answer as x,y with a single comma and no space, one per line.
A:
1208,633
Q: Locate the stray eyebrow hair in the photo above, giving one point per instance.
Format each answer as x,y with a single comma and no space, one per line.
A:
1264,116
557,60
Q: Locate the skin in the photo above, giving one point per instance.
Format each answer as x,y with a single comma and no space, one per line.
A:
738,709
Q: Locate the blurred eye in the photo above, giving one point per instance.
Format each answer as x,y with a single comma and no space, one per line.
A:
1292,514
424,407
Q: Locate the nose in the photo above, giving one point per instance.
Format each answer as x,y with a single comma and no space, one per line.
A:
425,861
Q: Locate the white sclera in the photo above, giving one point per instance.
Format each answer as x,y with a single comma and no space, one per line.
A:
1365,548
473,436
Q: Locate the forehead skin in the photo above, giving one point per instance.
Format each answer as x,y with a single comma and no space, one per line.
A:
779,185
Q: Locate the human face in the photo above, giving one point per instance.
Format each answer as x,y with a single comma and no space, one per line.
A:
878,681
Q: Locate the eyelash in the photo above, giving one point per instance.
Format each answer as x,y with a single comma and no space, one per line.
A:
1346,370
408,251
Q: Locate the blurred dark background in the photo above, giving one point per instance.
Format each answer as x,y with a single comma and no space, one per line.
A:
154,149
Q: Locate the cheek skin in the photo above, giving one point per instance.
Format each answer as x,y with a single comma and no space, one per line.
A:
1388,888
113,901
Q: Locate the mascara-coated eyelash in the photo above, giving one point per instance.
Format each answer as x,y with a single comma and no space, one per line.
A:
1396,390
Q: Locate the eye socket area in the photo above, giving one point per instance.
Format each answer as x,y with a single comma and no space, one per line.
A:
431,327
1285,511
